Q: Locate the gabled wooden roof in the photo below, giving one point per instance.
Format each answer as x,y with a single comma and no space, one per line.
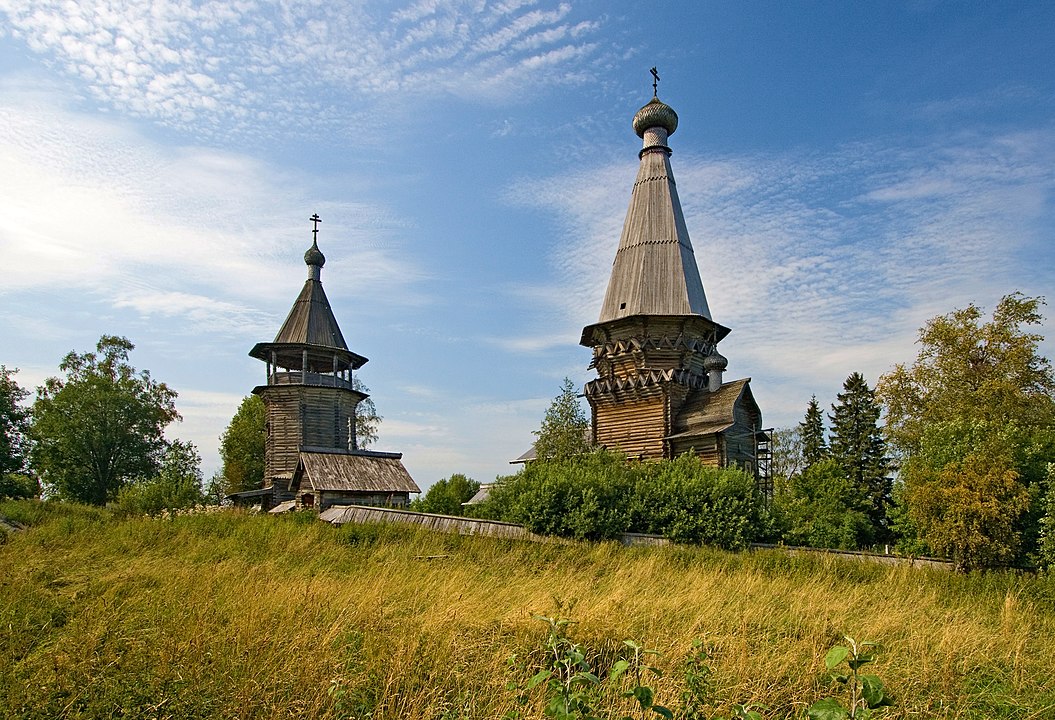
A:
353,471
654,272
706,413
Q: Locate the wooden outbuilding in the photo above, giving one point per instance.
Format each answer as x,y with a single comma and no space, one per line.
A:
310,400
660,390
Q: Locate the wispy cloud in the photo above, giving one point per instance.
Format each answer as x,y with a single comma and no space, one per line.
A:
825,263
263,66
89,205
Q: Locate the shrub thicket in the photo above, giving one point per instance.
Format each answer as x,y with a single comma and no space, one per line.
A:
600,495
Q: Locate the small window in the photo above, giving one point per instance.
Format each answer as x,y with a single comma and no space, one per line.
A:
622,306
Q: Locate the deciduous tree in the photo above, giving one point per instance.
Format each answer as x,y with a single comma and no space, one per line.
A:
822,507
367,421
100,425
242,447
14,424
787,452
446,496
968,510
974,410
177,486
14,439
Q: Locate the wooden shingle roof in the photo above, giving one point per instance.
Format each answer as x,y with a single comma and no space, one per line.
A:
311,321
706,413
655,271
310,326
353,471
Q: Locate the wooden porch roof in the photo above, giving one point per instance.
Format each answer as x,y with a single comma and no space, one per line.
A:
706,413
353,471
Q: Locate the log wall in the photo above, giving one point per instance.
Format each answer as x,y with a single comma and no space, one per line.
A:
305,416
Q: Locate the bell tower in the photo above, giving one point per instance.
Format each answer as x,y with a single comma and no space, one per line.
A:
309,395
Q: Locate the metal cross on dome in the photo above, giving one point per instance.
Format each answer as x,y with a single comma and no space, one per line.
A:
315,230
655,82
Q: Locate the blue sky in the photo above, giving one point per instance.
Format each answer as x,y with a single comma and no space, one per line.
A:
847,171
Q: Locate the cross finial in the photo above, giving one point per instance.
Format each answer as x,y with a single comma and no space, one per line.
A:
655,82
315,230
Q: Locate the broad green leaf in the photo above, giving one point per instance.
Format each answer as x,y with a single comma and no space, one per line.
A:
835,656
539,677
644,695
663,712
586,678
827,709
873,692
860,660
620,667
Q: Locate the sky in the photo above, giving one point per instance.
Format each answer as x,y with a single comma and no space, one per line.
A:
847,171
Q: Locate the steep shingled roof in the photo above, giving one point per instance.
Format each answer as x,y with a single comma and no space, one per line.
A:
655,271
311,321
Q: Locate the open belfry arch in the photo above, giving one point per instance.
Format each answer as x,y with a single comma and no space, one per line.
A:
312,456
660,390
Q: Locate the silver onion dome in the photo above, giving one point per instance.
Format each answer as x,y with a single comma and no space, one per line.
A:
655,113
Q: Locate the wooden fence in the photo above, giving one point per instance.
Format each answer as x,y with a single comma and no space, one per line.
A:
340,514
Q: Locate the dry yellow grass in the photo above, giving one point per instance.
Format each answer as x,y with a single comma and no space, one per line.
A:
234,616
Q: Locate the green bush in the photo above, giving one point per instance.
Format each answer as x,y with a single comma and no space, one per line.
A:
601,495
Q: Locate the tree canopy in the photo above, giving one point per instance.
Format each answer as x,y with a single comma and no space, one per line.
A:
969,370
177,485
446,496
367,421
14,424
973,422
14,439
857,446
811,434
564,432
100,425
242,447
822,507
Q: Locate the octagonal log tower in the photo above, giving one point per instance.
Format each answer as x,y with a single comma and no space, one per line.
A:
659,390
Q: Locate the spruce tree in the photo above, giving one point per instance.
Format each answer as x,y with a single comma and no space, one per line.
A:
858,447
811,431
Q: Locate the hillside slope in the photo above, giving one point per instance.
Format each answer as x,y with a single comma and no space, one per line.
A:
227,615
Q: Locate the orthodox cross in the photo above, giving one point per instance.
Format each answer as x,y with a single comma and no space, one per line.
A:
655,82
315,231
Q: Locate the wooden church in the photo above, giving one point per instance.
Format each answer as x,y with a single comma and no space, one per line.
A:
312,458
660,389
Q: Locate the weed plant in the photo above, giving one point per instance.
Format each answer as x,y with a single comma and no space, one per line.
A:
231,615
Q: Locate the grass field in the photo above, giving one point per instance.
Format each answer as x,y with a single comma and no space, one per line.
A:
234,616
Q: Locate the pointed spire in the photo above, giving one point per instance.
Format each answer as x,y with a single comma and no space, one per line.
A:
654,272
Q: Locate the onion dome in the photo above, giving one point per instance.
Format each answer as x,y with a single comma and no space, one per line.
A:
314,256
715,361
655,113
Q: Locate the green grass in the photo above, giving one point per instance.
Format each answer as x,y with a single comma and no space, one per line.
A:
234,616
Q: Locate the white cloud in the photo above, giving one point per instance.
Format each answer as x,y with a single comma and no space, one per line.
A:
824,264
265,66
87,204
